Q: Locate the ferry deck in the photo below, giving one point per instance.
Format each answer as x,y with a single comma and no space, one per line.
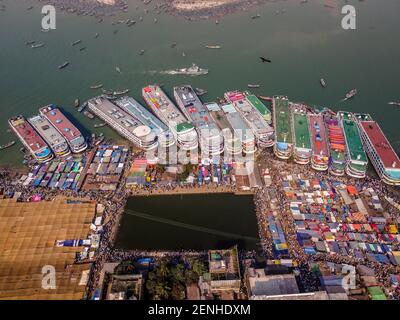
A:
51,135
73,136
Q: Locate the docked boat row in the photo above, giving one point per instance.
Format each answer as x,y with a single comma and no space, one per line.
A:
125,123
255,114
48,134
131,106
167,112
210,136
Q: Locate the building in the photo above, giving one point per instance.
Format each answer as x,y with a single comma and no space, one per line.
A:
224,270
125,287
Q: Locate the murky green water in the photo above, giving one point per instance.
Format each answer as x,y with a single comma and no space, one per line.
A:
199,222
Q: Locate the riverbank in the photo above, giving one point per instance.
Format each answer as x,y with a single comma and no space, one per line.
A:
205,189
205,9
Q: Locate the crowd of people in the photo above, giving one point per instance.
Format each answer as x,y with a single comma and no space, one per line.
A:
278,170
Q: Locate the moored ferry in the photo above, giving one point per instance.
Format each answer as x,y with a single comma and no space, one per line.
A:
50,134
30,139
262,131
64,126
301,132
356,159
165,137
320,155
283,147
380,152
210,136
232,142
337,145
241,128
164,109
124,123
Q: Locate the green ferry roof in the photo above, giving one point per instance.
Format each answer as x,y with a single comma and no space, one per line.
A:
184,126
259,105
301,131
337,155
283,128
353,141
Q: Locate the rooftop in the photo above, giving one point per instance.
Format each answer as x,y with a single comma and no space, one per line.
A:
28,242
301,131
28,133
353,141
61,122
283,128
318,134
381,144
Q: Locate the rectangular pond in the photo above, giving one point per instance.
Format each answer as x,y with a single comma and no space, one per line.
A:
198,222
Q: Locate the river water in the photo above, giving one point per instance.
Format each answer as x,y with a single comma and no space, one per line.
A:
305,43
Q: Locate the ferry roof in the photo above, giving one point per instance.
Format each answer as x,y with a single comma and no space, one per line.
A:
283,128
47,131
123,119
301,130
133,107
163,106
218,115
28,134
61,122
353,140
318,134
252,116
194,107
381,144
259,105
237,122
